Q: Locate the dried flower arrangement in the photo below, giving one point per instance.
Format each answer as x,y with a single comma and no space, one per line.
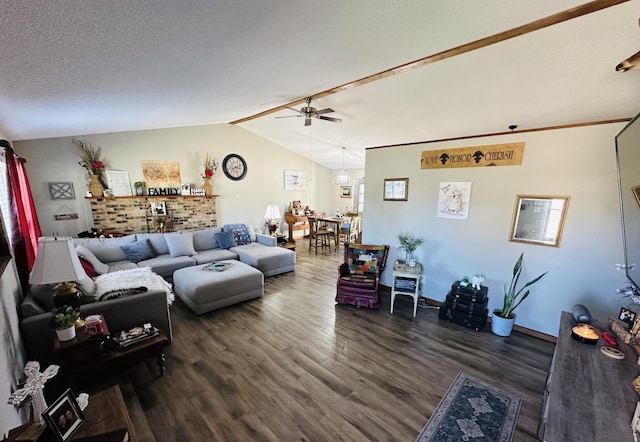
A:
91,160
210,166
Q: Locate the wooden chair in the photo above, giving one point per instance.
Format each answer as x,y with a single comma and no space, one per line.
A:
319,235
350,232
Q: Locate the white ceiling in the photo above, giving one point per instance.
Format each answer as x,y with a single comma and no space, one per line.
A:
76,67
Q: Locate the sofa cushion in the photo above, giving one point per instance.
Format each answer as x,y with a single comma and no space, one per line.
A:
106,249
240,233
180,244
98,266
205,239
138,251
211,255
225,240
157,241
165,265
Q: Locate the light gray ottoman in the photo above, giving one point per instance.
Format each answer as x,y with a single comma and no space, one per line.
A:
205,290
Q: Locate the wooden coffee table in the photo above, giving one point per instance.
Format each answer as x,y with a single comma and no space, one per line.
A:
84,357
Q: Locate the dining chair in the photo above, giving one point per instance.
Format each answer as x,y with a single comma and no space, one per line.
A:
319,235
350,231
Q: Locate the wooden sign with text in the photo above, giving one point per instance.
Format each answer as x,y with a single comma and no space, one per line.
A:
477,156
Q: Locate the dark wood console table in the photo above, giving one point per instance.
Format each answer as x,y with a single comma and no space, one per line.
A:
589,396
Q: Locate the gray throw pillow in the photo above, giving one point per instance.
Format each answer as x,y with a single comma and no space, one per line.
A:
138,251
180,244
225,240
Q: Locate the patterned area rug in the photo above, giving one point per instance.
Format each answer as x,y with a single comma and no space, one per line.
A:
472,410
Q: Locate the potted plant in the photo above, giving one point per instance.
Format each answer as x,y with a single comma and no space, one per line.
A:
139,186
503,320
409,244
63,319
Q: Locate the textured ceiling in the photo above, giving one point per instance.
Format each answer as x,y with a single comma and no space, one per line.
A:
90,66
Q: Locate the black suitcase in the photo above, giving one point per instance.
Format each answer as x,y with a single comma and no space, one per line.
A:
463,305
461,318
468,293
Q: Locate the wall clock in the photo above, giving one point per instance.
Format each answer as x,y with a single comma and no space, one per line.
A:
234,167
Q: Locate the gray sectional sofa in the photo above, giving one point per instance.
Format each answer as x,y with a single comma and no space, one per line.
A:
167,252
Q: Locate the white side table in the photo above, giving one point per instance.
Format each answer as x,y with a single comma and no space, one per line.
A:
406,281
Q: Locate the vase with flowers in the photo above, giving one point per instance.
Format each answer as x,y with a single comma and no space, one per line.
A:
210,168
90,159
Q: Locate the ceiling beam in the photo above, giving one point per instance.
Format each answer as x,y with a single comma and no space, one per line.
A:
542,23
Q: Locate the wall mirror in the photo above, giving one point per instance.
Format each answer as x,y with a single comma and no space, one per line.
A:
538,219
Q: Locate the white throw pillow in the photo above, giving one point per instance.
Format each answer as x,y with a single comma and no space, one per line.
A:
87,254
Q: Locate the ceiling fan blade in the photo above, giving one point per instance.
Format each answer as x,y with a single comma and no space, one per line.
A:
335,120
307,121
325,111
295,110
289,116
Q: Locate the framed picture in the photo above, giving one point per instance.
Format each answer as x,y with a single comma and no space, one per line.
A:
345,191
396,189
539,219
627,316
158,209
295,180
636,193
64,416
62,191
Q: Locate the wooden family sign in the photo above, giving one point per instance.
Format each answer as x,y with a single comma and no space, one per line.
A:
477,156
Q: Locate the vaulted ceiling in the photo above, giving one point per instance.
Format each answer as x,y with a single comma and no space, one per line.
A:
75,67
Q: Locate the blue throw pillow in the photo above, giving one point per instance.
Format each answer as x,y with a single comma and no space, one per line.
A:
240,233
225,240
138,251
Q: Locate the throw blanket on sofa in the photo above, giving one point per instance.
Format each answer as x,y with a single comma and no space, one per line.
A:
132,279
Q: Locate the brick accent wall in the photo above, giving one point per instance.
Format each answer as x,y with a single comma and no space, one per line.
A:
133,214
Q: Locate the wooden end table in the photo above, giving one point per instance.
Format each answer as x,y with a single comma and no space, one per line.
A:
85,357
105,413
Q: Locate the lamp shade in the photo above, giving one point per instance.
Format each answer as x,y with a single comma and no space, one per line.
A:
272,212
56,261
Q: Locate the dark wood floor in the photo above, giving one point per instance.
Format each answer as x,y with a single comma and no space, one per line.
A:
293,365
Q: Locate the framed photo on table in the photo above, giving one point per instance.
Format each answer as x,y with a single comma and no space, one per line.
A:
627,316
64,416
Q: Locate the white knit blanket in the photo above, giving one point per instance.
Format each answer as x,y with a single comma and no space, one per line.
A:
132,278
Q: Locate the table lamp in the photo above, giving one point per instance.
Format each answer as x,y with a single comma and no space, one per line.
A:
272,213
58,262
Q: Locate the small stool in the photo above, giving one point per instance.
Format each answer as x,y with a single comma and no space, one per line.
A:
206,290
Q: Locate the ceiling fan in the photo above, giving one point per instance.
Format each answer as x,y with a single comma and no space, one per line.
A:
307,112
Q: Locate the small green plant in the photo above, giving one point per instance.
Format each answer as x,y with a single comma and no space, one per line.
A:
409,243
138,184
512,296
63,317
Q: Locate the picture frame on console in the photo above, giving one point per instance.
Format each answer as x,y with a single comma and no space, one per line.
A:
64,416
627,316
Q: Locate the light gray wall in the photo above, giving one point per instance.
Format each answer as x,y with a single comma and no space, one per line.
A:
244,201
578,162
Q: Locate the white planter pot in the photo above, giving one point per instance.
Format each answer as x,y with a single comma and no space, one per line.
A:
501,326
66,334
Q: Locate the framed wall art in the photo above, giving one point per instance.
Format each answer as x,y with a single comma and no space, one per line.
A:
396,189
62,191
345,191
295,180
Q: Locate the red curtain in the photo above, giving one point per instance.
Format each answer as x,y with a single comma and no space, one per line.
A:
25,228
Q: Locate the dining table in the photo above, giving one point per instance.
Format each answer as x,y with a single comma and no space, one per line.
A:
336,222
